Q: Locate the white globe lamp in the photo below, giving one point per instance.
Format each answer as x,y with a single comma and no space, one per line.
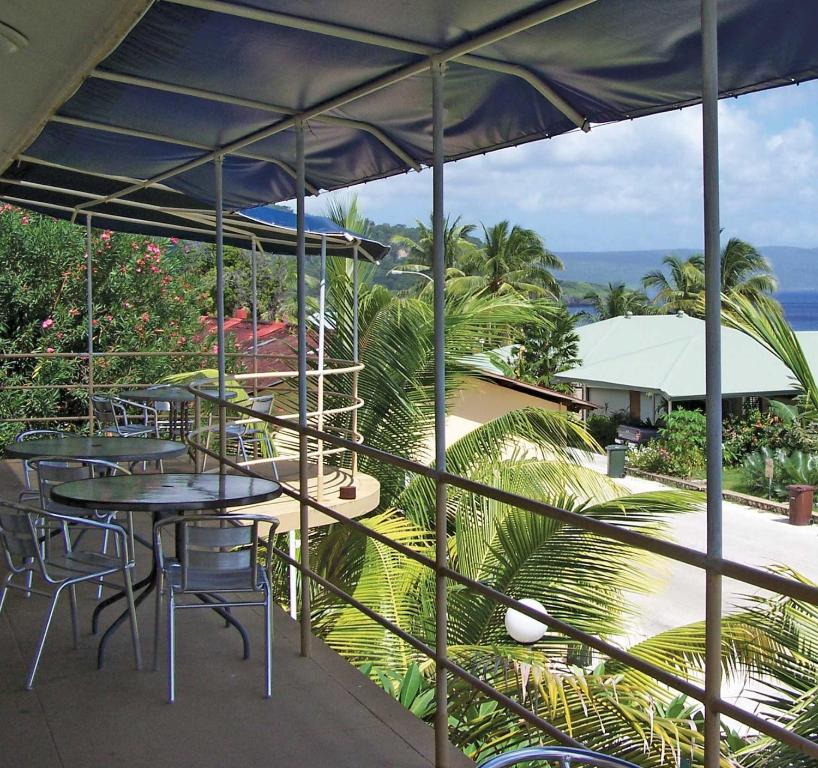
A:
523,628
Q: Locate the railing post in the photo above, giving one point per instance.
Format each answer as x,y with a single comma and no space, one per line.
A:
217,166
303,474
712,258
322,310
355,358
254,282
89,309
441,528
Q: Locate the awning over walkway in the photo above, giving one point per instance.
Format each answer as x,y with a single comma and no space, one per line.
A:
194,77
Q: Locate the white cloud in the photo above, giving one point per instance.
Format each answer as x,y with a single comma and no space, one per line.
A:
638,184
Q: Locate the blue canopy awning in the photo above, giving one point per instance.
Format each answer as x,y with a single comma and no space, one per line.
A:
192,78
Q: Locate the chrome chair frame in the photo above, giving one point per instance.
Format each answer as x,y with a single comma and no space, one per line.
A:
564,757
112,413
28,493
208,564
22,530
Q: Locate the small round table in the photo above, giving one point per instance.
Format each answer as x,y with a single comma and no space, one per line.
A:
162,494
128,449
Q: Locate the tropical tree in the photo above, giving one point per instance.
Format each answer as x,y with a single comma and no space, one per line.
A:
680,289
421,251
614,301
512,259
549,346
745,271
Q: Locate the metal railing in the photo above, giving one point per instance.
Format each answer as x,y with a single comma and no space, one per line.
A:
719,566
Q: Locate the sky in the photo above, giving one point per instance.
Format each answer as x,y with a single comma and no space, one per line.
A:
636,185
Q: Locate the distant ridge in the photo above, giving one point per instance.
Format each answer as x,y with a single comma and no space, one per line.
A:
796,268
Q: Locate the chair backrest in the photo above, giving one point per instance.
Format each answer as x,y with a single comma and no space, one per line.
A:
30,434
262,404
51,472
211,547
105,410
563,757
18,536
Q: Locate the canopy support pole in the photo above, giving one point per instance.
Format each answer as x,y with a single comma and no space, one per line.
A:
303,474
712,258
441,531
89,310
254,298
355,357
217,168
322,319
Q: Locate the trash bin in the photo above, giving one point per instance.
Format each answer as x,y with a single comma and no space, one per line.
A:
801,504
616,460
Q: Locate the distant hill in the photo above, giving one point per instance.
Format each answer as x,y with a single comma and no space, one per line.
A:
796,268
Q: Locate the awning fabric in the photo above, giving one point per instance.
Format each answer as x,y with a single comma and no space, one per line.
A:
193,76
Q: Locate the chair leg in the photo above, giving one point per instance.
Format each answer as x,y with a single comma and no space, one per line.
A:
171,647
41,640
268,642
75,632
104,551
157,616
29,577
137,648
5,588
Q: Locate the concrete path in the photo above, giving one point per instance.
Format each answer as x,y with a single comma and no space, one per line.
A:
751,536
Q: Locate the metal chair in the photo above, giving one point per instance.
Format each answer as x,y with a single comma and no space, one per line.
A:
22,531
30,493
246,434
53,471
216,555
563,757
113,417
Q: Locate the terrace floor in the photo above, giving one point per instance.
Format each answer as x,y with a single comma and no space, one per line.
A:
324,712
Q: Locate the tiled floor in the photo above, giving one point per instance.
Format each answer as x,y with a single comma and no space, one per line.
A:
323,712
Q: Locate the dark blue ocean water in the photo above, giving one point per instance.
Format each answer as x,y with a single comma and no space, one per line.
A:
800,309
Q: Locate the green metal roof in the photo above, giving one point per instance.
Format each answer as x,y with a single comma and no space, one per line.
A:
665,354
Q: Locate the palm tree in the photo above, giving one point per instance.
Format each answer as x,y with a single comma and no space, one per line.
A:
614,301
680,290
513,259
344,211
421,251
745,271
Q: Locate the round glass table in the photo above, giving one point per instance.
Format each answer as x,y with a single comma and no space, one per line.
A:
128,449
162,494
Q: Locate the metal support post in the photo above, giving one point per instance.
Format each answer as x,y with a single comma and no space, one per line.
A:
355,356
217,165
712,258
254,287
303,473
441,531
322,320
89,310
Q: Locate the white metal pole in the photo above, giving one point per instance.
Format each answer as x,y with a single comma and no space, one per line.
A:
355,355
89,310
220,356
712,258
322,321
254,288
441,528
303,474
293,551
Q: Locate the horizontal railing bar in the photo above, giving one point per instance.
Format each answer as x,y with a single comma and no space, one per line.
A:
680,684
34,419
509,703
418,645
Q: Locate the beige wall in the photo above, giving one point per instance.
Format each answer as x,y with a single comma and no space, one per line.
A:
483,401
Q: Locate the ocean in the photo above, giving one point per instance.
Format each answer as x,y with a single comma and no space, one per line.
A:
800,309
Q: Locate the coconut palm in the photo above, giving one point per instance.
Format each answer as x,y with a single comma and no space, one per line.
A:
680,289
421,251
745,271
512,259
614,301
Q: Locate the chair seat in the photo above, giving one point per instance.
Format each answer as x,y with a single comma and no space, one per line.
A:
209,580
236,430
129,430
83,562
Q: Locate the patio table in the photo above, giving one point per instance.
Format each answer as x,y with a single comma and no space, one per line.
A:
128,449
160,495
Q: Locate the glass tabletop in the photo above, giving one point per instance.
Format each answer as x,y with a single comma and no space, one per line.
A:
166,492
96,447
162,393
